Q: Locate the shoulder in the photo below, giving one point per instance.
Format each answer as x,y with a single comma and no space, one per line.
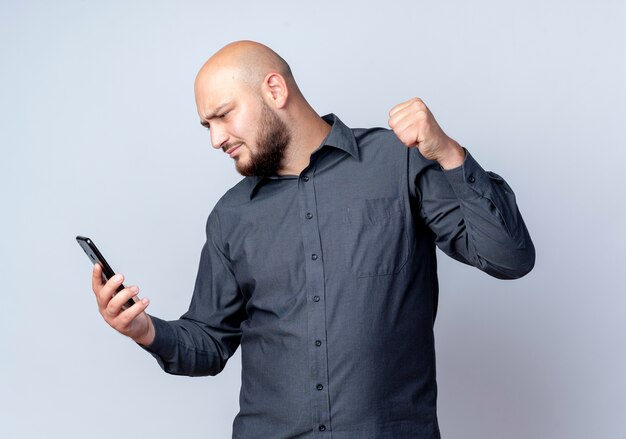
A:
230,203
237,195
377,138
365,136
382,141
382,144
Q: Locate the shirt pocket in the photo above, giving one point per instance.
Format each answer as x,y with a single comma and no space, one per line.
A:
375,239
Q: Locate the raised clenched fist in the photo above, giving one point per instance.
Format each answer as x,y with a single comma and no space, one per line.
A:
415,125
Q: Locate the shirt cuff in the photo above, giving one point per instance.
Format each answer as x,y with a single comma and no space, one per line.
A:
164,344
469,180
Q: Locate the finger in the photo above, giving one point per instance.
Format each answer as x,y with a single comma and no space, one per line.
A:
395,121
114,307
130,314
408,138
399,107
105,293
414,114
97,281
407,127
413,102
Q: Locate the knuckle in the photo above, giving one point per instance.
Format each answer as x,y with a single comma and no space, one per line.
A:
418,105
104,292
124,320
103,299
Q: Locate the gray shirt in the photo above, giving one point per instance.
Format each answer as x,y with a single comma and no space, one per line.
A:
328,280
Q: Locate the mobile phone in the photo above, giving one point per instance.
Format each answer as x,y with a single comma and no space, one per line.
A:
107,272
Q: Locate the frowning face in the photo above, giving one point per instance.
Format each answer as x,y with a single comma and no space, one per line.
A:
241,123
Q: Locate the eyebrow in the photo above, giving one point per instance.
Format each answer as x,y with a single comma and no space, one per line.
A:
210,116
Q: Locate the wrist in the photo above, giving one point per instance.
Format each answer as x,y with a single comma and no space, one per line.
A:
453,155
148,336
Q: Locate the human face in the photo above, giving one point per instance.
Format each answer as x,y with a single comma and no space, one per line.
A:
244,127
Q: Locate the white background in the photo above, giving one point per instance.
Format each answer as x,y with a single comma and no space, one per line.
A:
99,136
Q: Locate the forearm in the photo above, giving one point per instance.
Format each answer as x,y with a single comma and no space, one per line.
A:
185,347
476,220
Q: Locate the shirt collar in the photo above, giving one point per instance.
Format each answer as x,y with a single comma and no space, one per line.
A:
340,137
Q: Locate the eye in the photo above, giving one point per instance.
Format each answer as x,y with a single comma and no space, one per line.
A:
223,115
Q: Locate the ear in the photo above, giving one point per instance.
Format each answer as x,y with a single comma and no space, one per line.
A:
275,89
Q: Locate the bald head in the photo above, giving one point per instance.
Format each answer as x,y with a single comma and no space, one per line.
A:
246,95
247,61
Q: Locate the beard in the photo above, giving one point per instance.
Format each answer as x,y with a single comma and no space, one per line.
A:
273,138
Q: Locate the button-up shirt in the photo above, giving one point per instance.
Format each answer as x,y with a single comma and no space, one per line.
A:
328,281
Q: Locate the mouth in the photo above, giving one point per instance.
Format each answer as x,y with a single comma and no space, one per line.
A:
232,150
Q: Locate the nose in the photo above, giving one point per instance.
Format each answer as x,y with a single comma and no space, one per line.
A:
218,137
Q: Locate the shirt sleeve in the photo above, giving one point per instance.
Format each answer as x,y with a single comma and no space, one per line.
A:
208,334
473,215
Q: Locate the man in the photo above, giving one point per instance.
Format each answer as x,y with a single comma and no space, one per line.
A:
321,261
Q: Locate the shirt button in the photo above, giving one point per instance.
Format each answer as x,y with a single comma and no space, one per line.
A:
314,257
316,298
319,387
322,427
305,178
318,343
309,215
471,179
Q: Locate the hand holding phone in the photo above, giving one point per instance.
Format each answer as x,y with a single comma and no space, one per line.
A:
96,257
117,303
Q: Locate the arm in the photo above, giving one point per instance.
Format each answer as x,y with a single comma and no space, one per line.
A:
472,213
208,334
204,338
474,216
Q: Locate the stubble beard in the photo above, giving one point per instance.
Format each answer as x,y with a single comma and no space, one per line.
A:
273,138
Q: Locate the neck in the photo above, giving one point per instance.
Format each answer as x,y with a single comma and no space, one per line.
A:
309,132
